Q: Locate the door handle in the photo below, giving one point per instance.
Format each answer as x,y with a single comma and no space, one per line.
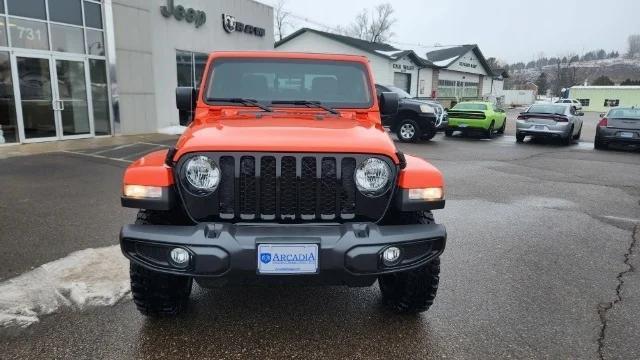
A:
61,105
53,105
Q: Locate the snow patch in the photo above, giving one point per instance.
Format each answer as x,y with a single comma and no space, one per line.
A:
444,62
86,278
172,130
389,53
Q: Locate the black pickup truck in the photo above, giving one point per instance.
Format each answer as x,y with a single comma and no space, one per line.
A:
416,119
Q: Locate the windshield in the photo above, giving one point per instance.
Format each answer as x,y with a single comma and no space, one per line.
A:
470,106
547,109
624,114
332,83
401,93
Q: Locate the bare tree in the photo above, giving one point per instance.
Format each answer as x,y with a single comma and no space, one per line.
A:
281,19
634,46
374,25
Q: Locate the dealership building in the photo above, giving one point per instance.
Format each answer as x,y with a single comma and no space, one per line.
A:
443,73
82,68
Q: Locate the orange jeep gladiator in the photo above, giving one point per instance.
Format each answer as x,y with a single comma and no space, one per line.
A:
284,175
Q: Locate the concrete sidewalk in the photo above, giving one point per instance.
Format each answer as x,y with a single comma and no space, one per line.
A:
70,145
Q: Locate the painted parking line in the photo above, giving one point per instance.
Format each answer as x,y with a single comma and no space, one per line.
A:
95,156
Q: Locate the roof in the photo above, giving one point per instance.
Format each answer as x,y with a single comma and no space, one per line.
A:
375,48
444,56
501,73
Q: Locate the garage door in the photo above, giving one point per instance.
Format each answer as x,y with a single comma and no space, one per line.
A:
402,81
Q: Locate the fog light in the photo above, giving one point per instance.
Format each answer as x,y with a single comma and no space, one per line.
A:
180,257
141,192
426,194
391,256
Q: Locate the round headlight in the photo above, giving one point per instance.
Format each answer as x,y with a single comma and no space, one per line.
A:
202,174
373,177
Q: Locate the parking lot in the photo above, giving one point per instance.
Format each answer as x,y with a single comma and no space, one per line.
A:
540,263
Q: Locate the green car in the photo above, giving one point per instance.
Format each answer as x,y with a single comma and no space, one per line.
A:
476,116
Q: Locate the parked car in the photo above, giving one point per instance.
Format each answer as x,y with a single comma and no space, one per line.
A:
279,183
551,121
573,102
474,116
619,125
415,119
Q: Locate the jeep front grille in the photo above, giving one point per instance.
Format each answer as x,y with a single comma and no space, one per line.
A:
285,188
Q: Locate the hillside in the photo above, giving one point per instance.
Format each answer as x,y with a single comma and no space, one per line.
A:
617,69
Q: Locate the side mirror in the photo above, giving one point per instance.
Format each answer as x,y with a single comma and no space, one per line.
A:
186,98
388,102
602,115
580,113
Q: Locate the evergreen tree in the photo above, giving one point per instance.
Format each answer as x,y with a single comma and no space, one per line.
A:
603,81
542,84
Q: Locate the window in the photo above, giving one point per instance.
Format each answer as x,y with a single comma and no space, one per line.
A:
402,81
334,83
470,106
92,15
611,102
1,7
100,96
29,34
8,123
190,68
3,32
27,8
67,39
584,102
65,11
457,89
95,42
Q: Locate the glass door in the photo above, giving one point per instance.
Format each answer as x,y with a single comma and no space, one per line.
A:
72,102
53,97
37,105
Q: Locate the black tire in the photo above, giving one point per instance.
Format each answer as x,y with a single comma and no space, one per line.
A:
428,135
448,132
489,132
577,136
520,138
503,127
599,145
411,291
157,294
569,139
408,131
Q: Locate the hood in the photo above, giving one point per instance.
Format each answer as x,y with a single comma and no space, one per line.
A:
282,133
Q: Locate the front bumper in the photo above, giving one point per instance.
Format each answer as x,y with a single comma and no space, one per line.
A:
348,254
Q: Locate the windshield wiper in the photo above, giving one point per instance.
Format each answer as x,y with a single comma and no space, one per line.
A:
308,103
244,101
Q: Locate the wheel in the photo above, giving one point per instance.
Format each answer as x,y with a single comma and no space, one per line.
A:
448,132
569,139
503,127
599,145
489,132
408,131
157,294
520,137
411,291
577,136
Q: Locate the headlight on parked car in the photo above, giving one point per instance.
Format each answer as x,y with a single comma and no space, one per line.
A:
373,177
202,174
426,109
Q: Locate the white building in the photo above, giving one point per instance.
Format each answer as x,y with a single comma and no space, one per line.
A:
83,68
445,73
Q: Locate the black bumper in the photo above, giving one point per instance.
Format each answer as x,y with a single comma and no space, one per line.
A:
349,254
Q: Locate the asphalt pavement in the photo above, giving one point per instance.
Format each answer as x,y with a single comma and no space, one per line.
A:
540,262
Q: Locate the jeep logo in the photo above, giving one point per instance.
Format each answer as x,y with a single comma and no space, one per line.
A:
190,15
230,24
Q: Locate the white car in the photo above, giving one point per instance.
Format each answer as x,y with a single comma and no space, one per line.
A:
575,103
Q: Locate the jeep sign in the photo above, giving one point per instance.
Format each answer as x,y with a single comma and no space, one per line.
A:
190,15
230,24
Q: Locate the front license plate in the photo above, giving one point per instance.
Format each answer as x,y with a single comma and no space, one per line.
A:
625,134
539,127
287,258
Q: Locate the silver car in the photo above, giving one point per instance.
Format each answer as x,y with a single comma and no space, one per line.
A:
551,121
619,125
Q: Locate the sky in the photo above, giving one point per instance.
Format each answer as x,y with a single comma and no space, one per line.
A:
510,30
